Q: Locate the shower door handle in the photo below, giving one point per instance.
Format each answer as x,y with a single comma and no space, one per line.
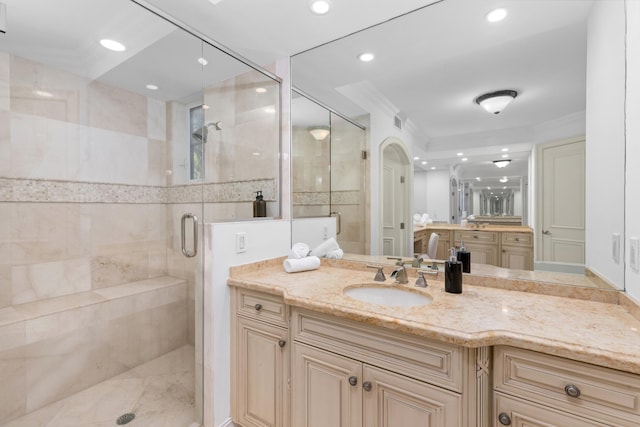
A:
339,225
185,251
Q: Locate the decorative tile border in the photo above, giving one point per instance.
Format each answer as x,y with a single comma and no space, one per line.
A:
46,191
311,198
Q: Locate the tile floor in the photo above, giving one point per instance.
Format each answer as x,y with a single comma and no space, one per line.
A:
160,393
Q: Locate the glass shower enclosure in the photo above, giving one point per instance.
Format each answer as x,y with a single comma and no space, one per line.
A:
111,158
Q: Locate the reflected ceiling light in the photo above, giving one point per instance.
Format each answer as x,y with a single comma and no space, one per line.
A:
202,61
502,163
416,158
320,7
504,156
495,102
496,15
488,188
113,45
433,168
366,57
152,87
255,153
459,154
504,188
505,149
478,179
43,93
319,133
504,179
261,90
205,107
424,162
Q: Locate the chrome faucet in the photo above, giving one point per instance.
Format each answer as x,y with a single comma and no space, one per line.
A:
400,273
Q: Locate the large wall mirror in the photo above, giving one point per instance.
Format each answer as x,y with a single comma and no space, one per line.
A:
560,62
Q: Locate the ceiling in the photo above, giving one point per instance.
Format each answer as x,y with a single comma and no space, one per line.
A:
430,64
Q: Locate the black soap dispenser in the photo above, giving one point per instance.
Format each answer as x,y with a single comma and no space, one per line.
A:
453,274
464,256
259,206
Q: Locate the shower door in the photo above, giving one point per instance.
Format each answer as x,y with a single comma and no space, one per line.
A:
100,310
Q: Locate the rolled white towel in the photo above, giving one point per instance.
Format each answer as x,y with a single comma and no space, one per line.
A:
302,264
335,254
299,250
323,248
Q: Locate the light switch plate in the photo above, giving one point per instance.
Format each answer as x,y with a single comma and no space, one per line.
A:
634,254
241,242
615,248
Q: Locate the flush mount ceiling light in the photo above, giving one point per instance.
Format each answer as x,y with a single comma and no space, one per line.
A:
495,102
320,7
366,57
496,15
319,133
112,45
502,163
152,87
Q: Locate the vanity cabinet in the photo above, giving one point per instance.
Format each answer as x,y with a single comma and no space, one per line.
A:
517,251
260,359
534,389
483,245
349,374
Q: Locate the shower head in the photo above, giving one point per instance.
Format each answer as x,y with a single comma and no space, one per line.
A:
201,134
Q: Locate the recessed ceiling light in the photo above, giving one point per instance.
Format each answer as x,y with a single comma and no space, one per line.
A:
478,178
255,153
504,156
205,107
366,57
424,162
112,45
488,188
433,168
505,149
416,158
320,7
202,61
152,87
459,154
464,159
261,90
496,15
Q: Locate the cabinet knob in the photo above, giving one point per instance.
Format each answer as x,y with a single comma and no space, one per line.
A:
367,386
282,343
517,239
258,307
353,380
504,419
572,390
475,236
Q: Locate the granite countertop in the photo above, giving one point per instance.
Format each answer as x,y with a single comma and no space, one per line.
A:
603,332
472,227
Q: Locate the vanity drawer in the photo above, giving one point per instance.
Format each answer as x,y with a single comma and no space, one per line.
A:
259,306
442,234
517,239
476,236
430,361
572,386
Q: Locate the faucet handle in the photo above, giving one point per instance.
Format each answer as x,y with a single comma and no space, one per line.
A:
380,277
421,282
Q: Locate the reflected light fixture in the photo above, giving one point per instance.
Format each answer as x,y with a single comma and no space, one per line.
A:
504,179
319,133
366,57
495,102
502,163
113,45
496,15
320,7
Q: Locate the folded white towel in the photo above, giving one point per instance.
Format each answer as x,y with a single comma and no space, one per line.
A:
299,250
302,264
327,246
335,254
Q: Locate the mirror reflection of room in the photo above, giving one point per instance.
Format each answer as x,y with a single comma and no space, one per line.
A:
501,121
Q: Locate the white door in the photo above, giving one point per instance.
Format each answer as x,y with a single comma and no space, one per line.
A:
394,201
561,213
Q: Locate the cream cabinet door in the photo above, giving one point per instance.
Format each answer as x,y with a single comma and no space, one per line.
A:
392,400
261,374
517,258
482,253
327,389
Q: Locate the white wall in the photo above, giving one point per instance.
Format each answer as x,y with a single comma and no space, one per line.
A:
632,223
265,239
420,192
438,195
313,231
605,143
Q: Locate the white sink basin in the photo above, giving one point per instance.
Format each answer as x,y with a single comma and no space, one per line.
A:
387,295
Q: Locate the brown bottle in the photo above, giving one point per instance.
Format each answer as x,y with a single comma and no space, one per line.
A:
259,206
